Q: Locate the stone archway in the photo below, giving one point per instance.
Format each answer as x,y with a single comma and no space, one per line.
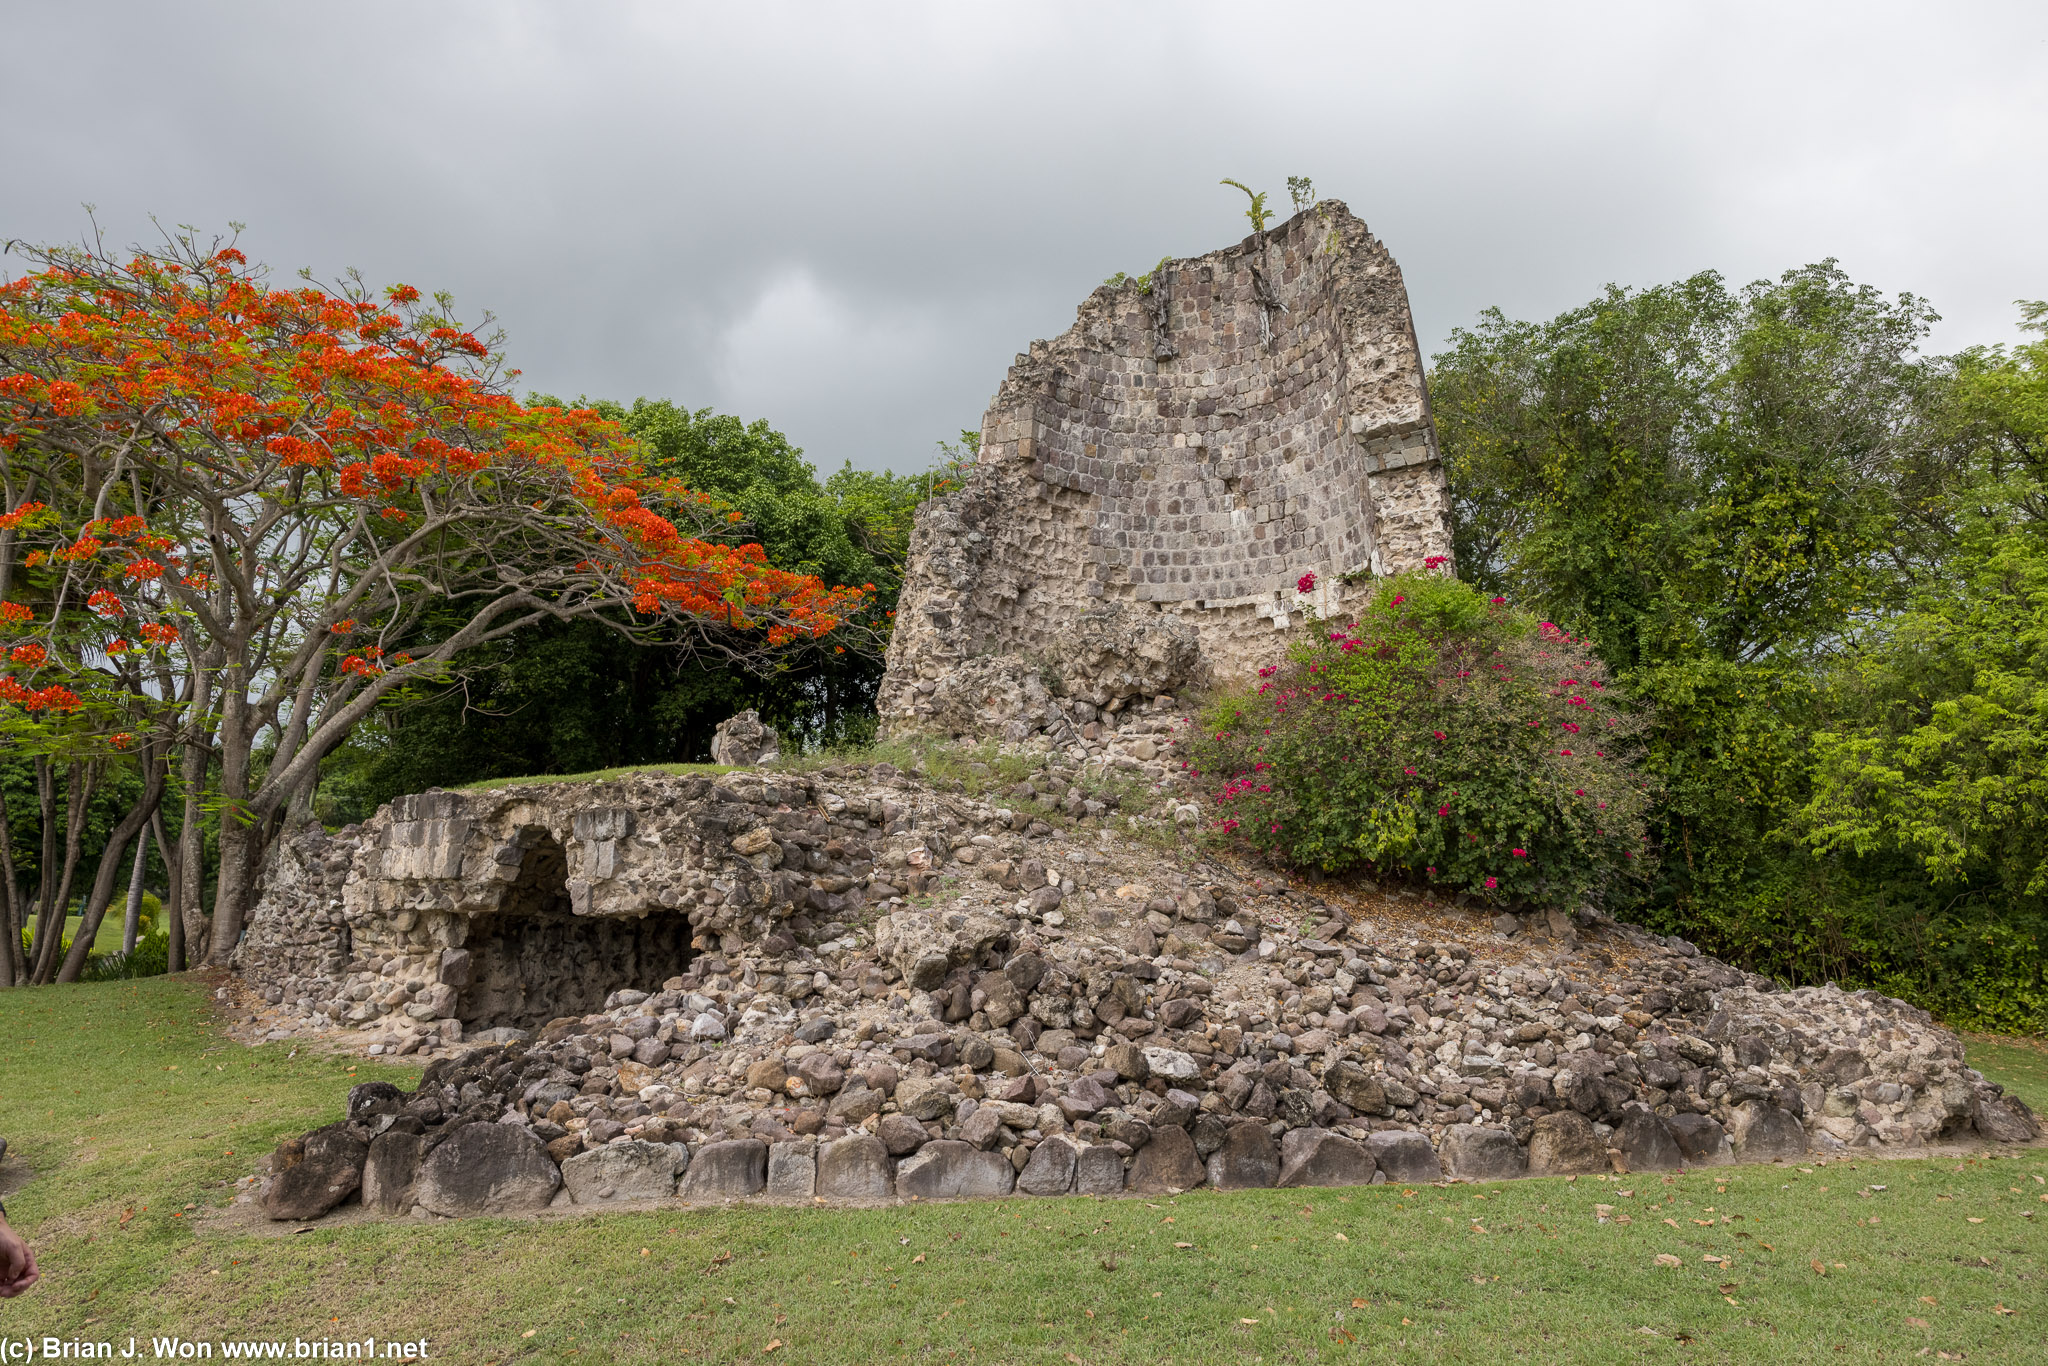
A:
534,960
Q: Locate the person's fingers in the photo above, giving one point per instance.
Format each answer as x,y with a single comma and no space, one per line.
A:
15,1287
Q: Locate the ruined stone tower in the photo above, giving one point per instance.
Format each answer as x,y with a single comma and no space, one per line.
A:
1154,483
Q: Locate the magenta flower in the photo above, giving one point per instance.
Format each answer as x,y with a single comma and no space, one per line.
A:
1443,811
1492,883
1305,584
1520,853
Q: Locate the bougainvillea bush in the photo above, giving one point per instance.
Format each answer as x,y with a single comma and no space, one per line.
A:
1440,736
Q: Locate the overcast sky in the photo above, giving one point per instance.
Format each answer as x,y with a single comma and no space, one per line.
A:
847,219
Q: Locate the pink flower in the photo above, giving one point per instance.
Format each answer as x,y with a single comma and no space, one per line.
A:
1566,753
1407,770
1520,853
1498,601
1435,562
1443,811
1439,735
1492,883
1398,598
1305,584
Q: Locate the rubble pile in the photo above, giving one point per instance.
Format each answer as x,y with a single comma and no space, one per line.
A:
992,1002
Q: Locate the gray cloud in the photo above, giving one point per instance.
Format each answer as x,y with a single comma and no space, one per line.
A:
848,219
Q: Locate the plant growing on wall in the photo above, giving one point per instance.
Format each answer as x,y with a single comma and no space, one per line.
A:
1258,212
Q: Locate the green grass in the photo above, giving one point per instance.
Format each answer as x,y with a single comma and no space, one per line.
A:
130,1106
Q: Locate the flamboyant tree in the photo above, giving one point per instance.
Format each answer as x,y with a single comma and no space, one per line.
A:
280,487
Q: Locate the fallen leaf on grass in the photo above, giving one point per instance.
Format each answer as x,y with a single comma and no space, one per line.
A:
1973,1219
1927,1299
1361,1304
2002,1310
1819,1268
529,1332
1666,1259
774,1345
1247,1320
1912,1322
1183,1244
1342,1239
918,1258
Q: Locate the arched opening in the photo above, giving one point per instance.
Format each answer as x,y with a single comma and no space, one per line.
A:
534,960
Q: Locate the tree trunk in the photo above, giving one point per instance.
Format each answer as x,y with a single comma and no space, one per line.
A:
132,824
46,864
174,892
192,857
12,969
77,801
241,847
131,922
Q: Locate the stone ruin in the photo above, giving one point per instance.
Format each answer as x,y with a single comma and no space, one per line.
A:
1153,484
854,984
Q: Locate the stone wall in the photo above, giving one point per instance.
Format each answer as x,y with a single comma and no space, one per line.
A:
453,912
1154,482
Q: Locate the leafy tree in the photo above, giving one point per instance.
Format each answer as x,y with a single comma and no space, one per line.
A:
316,498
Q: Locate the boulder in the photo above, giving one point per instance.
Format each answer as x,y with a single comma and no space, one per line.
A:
1127,1060
488,1169
947,1169
367,1099
1100,1171
1246,1160
821,1075
745,741
856,1167
1172,1064
1051,1168
317,1172
1404,1155
1564,1144
982,1128
1168,1163
924,946
1475,1154
855,1104
793,1169
1762,1132
633,1170
1701,1140
391,1170
729,1170
1352,1085
1084,1098
2004,1119
1317,1157
1646,1143
901,1135
925,1097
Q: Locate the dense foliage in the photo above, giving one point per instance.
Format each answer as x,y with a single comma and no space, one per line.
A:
1439,736
1805,547
572,697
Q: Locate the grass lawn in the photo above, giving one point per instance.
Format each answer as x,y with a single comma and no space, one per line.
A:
137,1116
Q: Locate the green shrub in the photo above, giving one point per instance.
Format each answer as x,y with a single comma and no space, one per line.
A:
1442,736
151,958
